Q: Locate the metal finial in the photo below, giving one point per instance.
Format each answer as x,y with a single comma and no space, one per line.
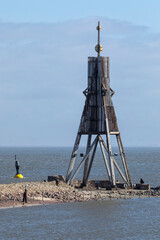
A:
98,47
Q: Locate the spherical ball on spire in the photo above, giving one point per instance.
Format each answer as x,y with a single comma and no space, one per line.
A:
98,28
98,48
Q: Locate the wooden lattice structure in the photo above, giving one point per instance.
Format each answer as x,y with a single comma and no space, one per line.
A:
98,118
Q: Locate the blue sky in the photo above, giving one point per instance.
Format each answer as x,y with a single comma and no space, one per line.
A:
44,47
143,12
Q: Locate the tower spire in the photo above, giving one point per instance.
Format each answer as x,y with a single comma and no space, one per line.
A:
98,47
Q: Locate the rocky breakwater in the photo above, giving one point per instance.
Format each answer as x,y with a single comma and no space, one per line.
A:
118,194
37,193
49,192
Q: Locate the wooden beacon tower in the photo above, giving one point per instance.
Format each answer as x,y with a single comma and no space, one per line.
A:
98,118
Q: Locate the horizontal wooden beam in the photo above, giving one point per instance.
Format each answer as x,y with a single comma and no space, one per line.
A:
114,133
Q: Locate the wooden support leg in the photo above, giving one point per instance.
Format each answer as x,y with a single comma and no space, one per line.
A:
114,161
73,158
123,157
75,148
78,168
105,159
87,160
113,180
91,161
111,165
119,170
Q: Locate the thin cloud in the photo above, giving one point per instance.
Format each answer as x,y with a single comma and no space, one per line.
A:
47,63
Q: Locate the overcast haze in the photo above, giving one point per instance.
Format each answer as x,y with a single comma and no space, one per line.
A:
43,69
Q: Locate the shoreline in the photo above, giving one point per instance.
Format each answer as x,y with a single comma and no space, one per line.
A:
44,193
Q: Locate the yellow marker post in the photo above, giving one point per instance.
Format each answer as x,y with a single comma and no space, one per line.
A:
18,176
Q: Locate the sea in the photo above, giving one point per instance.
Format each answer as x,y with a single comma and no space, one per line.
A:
127,219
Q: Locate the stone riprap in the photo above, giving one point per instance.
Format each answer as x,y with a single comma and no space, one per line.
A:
49,192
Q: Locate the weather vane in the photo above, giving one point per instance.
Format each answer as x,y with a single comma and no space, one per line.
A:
98,47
